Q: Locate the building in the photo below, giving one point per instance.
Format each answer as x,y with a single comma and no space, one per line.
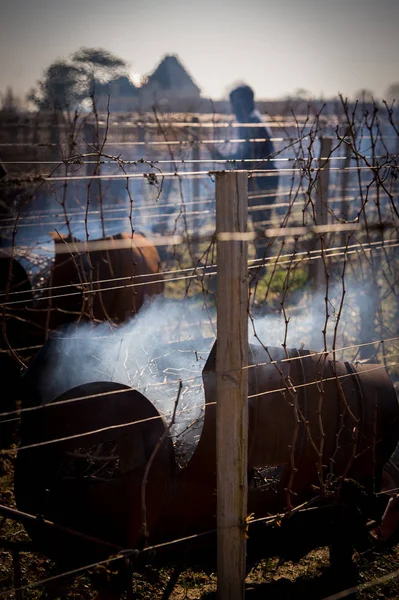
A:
170,86
122,92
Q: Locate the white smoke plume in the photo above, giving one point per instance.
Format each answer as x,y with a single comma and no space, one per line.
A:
169,341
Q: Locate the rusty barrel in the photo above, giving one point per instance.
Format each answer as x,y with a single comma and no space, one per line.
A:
308,410
113,473
92,461
17,333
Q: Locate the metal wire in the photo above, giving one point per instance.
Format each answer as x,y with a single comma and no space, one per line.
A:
191,380
156,161
304,256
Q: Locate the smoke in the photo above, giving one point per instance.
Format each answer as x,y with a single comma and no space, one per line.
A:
169,341
355,322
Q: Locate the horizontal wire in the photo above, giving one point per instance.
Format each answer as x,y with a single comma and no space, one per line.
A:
289,122
199,377
112,279
125,210
325,255
185,277
216,124
190,380
269,362
322,254
294,387
289,359
287,387
258,172
192,174
192,216
195,382
158,174
146,211
127,553
150,206
156,161
315,353
28,586
303,257
91,291
185,142
203,209
182,142
273,123
121,554
95,431
361,245
319,353
363,586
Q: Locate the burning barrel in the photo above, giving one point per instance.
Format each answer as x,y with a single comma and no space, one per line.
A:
113,473
88,480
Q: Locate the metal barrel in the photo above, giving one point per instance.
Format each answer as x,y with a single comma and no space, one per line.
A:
98,462
313,421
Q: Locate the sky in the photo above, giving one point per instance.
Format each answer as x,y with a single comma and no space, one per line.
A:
277,46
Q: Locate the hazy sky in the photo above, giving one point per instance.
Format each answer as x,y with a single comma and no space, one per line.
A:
276,46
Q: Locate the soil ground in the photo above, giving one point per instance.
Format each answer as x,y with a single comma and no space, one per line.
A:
311,578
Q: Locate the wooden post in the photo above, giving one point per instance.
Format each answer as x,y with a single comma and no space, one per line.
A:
317,272
345,183
323,181
45,197
141,138
94,185
195,156
196,185
231,382
35,141
55,136
370,299
89,134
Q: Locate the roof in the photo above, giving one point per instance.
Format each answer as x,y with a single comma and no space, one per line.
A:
170,75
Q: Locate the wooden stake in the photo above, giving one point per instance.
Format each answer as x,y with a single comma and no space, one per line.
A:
317,271
89,134
195,153
55,136
232,381
195,156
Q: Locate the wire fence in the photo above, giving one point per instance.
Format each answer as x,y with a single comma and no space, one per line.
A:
89,238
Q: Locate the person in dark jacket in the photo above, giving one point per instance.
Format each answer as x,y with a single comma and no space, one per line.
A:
262,187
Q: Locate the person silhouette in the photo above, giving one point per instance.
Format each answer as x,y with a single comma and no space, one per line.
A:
262,187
